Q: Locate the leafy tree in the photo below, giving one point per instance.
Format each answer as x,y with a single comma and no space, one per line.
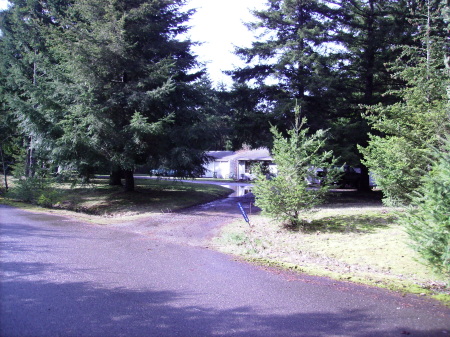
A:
427,220
297,156
409,128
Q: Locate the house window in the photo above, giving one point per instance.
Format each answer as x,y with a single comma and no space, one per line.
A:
250,163
248,166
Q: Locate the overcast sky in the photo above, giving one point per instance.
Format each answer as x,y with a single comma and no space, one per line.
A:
219,25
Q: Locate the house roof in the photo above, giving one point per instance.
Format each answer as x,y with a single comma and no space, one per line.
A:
221,155
256,154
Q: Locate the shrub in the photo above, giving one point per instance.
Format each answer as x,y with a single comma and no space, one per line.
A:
428,219
36,190
298,156
28,189
48,198
397,165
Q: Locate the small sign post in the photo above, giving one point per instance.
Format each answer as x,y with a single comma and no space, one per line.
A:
243,213
247,221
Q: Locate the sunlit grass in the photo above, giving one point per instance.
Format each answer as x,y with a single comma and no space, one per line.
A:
361,244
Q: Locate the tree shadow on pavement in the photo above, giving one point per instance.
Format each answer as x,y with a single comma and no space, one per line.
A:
43,308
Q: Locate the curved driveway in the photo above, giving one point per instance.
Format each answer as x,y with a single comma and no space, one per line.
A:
60,277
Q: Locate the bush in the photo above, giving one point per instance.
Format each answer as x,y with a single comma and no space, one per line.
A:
397,165
428,220
298,156
36,190
48,198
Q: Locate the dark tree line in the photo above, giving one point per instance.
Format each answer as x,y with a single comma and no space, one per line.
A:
90,84
335,59
95,84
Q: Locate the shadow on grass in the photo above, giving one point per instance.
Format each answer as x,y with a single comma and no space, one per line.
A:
361,223
348,198
150,196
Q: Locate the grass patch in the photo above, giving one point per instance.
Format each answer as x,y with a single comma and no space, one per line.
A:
361,244
98,199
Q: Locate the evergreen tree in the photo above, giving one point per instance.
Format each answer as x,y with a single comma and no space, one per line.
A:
330,56
287,62
134,101
427,220
407,129
94,82
368,33
28,67
249,119
298,157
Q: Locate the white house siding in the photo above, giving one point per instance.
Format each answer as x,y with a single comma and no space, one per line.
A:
241,171
228,164
273,168
218,169
209,170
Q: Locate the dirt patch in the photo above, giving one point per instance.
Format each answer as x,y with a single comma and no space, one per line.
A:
192,226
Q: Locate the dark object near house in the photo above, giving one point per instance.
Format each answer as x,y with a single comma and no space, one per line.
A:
350,178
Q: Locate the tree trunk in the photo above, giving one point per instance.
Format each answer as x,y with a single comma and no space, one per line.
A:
30,160
115,177
364,181
129,181
4,169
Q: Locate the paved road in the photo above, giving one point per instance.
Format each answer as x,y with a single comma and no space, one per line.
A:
60,277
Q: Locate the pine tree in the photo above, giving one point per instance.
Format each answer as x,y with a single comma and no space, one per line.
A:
27,67
286,62
130,71
409,128
105,82
298,157
428,219
367,34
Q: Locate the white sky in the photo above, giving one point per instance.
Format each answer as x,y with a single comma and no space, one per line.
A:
219,25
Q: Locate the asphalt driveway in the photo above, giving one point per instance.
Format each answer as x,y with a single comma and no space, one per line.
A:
60,277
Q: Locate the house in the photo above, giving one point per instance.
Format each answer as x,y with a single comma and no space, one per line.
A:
238,165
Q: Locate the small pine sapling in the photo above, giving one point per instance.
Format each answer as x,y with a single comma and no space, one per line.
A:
299,157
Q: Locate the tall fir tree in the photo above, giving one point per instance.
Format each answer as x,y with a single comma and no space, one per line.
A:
106,82
367,33
286,63
136,100
406,130
23,64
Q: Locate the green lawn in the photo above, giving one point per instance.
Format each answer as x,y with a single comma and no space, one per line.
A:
360,244
102,202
